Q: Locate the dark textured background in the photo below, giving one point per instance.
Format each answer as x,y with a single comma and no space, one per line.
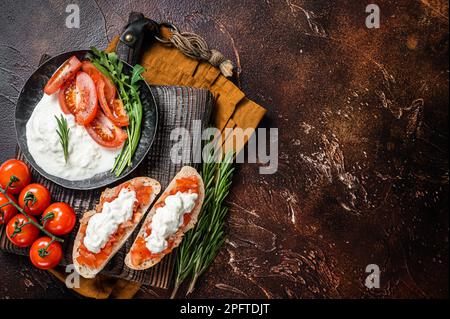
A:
363,123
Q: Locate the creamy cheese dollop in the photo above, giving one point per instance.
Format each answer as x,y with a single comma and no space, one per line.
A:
168,219
86,157
102,225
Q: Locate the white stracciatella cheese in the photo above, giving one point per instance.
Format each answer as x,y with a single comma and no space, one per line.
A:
102,225
86,157
168,219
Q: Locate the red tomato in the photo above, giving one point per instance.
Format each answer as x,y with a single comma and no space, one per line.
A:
67,96
119,109
34,199
113,109
86,105
19,235
96,75
8,211
45,254
140,252
18,169
65,72
105,133
63,219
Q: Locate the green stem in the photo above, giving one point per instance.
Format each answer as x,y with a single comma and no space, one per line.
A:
175,289
12,180
18,228
44,251
192,284
47,217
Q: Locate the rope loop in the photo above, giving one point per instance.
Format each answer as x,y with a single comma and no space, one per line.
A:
194,46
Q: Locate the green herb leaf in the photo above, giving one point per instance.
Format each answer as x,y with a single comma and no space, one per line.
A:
63,133
113,57
136,75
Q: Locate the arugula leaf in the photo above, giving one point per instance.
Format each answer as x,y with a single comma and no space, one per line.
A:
136,75
113,57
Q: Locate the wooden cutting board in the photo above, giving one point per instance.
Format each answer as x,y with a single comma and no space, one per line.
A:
178,107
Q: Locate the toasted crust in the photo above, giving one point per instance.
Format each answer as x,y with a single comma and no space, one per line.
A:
186,171
87,272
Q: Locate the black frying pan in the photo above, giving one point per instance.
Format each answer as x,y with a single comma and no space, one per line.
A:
31,94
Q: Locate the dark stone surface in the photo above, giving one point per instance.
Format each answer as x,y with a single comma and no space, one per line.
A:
363,124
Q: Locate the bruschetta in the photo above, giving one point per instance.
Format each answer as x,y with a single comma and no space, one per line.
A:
104,230
173,214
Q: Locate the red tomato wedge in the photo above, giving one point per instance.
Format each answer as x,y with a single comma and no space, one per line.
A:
86,105
105,133
113,109
64,73
119,109
67,95
96,75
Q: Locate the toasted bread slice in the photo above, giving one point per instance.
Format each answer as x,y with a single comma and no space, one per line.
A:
109,193
186,171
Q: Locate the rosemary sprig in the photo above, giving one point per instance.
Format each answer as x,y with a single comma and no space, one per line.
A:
201,244
128,88
63,133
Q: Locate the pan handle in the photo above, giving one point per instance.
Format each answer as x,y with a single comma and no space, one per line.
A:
131,44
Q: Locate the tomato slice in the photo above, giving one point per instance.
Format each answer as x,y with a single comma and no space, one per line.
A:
119,109
113,109
140,252
67,96
105,133
96,75
86,105
65,72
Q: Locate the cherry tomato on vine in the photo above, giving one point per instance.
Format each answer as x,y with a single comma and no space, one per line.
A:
59,219
20,231
34,199
45,254
8,211
18,169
